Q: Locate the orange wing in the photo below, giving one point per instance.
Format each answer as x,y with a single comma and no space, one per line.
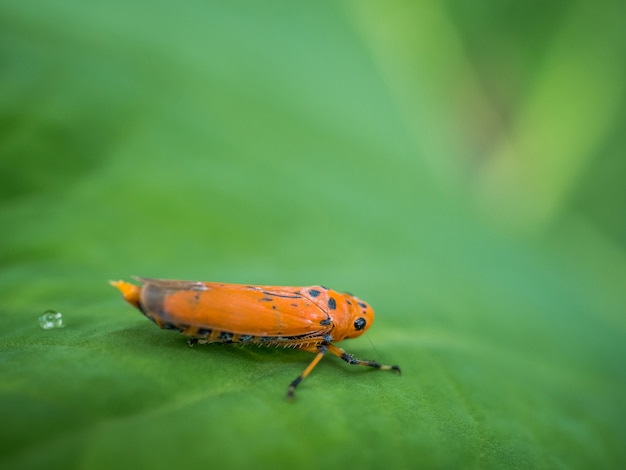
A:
236,308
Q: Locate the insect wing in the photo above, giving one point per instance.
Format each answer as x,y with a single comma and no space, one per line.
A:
240,309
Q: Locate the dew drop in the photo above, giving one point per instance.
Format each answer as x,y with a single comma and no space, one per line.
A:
51,319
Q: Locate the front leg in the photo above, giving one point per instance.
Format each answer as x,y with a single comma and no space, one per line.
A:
320,350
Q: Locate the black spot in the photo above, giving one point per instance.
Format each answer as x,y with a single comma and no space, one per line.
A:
274,307
171,326
204,332
361,304
326,322
196,296
314,293
267,299
332,304
294,305
348,302
359,323
224,336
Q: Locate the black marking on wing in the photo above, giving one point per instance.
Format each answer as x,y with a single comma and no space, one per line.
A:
285,296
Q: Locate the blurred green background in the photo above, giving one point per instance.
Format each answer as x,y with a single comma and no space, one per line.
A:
459,165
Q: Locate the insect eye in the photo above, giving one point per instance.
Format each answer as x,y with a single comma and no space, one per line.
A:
359,323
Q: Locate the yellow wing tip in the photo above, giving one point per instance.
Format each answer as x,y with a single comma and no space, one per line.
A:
128,290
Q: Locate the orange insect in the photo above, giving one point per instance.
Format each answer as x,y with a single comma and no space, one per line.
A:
308,318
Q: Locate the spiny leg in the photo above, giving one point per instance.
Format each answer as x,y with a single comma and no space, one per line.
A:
350,359
320,350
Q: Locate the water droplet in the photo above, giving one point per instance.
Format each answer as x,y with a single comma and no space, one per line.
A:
51,319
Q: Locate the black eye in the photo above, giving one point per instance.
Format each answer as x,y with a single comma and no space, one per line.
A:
359,323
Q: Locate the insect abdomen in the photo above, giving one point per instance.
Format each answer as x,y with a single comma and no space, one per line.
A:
202,335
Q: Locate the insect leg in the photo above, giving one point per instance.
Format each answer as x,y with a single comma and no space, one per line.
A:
350,359
320,350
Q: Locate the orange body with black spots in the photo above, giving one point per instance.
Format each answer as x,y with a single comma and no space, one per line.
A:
309,318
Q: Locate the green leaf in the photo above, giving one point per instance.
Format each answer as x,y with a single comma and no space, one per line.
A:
355,147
